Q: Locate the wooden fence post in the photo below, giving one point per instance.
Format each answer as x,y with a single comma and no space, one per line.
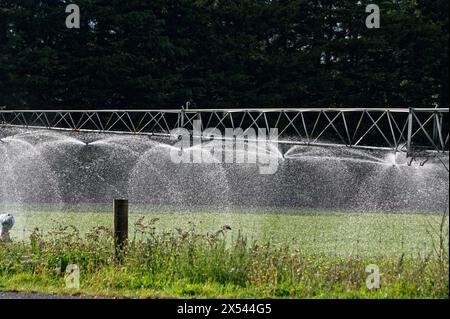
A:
120,208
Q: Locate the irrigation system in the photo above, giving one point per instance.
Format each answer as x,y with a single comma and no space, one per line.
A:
326,158
420,132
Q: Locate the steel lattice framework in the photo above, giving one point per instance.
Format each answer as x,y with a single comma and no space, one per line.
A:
413,130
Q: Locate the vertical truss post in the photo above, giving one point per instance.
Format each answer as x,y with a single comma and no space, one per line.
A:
437,129
181,118
435,119
410,130
199,118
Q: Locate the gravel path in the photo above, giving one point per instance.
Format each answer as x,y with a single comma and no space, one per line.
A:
26,295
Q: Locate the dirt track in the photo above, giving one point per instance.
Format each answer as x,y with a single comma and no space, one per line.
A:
23,295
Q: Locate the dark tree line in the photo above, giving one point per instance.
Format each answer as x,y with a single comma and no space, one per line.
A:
223,53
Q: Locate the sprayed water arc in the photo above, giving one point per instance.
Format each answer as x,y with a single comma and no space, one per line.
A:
75,169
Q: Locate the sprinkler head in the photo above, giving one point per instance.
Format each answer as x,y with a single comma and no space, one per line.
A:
400,158
422,163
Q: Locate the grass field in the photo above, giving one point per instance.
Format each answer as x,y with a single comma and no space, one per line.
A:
308,254
312,232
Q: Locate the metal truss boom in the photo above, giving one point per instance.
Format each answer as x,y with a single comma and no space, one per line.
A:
408,129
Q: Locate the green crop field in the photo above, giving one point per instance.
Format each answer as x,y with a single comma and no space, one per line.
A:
312,232
304,254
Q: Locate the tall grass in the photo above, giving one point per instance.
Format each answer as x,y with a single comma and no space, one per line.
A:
186,263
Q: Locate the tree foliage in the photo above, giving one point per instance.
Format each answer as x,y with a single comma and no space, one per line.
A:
223,53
